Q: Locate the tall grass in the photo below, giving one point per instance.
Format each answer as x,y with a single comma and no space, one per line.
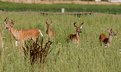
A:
88,56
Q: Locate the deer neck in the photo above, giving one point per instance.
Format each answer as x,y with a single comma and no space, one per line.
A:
77,34
110,38
49,28
14,32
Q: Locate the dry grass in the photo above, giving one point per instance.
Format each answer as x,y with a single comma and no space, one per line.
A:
37,50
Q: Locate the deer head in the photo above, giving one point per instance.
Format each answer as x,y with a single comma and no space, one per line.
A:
48,23
8,23
111,33
78,28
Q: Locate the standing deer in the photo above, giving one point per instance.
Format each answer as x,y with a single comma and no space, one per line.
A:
50,31
107,40
75,38
21,35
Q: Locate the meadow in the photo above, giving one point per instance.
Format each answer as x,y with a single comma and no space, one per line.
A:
88,56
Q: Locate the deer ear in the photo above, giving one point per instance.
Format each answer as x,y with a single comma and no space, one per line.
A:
48,22
109,30
74,24
81,26
6,19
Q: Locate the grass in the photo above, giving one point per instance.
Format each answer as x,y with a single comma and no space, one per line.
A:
88,56
8,6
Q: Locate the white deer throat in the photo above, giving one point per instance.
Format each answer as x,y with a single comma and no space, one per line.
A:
77,35
110,39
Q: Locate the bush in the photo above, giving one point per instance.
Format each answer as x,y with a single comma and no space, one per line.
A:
37,50
6,6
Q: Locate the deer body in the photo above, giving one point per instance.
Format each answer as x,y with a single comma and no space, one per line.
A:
106,40
75,38
22,35
103,38
50,32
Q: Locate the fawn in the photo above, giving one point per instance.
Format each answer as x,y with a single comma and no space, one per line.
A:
75,38
107,40
50,31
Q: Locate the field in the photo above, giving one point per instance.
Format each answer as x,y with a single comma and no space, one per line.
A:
88,56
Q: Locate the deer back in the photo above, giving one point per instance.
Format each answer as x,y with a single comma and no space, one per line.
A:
28,34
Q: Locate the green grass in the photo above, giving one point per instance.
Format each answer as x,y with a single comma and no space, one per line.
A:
8,6
88,56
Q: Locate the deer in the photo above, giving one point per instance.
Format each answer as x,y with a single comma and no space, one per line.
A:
107,40
49,31
23,34
75,38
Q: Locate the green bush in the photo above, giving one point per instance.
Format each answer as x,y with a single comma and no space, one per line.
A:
7,6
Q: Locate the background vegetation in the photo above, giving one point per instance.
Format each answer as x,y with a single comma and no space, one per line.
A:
88,56
112,9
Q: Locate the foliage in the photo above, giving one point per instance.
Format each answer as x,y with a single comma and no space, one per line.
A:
7,6
37,50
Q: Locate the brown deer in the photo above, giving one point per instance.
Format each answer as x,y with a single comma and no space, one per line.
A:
75,38
21,35
107,40
50,31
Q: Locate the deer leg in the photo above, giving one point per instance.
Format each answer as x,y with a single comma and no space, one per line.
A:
106,45
21,48
22,44
16,43
2,44
48,38
34,39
